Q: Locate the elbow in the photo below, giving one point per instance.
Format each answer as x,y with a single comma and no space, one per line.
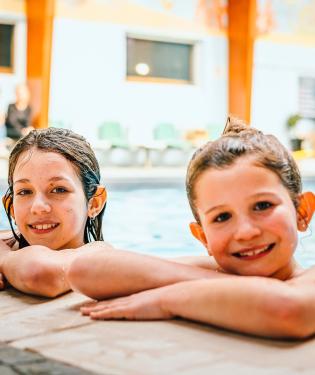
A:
288,318
41,280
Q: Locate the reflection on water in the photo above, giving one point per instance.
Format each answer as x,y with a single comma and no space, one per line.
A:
155,221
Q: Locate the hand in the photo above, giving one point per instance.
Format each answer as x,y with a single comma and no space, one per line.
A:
140,306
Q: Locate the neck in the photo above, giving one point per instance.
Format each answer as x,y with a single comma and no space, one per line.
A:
21,105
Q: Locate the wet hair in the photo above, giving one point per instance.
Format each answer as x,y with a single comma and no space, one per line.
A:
74,148
239,140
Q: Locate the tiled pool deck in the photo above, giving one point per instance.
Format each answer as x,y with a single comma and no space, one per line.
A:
55,329
41,336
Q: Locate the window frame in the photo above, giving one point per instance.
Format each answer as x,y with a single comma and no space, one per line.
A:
10,69
304,96
151,79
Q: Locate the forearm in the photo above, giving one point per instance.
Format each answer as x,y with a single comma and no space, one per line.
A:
203,261
258,306
114,273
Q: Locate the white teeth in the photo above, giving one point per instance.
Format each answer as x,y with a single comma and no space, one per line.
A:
44,226
253,252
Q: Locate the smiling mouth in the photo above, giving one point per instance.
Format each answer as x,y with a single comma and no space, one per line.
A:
254,254
43,227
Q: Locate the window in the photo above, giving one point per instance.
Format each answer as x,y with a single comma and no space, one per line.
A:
307,97
152,60
6,48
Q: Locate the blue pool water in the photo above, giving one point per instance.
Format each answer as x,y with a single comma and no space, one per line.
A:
154,220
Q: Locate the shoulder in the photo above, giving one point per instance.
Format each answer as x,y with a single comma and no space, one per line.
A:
8,238
5,234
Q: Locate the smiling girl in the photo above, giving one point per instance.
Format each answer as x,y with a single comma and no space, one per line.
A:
57,203
245,193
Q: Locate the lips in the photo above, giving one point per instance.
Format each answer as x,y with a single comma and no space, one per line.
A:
254,253
43,227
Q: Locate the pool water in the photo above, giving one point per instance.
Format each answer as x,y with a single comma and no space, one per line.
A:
155,220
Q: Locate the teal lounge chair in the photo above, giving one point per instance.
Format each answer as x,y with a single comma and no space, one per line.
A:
114,134
112,138
175,151
167,133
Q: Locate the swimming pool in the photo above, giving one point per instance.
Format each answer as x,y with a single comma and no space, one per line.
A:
154,220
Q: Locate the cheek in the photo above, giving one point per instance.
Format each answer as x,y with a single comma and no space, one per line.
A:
283,223
217,241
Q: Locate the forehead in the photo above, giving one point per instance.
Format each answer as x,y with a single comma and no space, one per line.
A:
243,178
34,162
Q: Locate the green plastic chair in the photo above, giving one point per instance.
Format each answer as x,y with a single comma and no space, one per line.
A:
112,132
169,134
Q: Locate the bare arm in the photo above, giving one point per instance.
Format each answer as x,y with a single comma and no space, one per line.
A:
113,273
203,261
95,269
254,305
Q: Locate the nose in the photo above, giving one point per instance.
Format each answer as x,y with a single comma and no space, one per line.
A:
40,205
246,229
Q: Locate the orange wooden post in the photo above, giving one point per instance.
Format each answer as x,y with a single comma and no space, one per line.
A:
40,17
241,34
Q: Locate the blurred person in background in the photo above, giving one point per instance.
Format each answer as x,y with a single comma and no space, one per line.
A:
18,118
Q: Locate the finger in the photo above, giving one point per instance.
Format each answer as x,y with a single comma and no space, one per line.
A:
99,307
96,306
112,313
89,304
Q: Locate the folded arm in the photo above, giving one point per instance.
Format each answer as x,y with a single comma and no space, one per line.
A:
253,305
114,273
89,269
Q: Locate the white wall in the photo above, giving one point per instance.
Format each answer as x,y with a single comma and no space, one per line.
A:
88,84
8,81
277,68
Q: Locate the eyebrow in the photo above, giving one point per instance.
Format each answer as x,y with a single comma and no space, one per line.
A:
52,179
223,205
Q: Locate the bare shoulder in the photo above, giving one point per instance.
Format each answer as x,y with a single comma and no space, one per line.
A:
8,238
198,261
5,235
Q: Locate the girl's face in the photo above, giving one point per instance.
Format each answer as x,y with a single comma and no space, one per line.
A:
50,207
248,220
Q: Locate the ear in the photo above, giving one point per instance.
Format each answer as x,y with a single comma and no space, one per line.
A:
199,234
305,210
97,202
7,202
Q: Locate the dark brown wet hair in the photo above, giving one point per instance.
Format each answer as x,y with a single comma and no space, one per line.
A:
74,148
239,140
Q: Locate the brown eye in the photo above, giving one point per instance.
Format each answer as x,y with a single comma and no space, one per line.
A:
24,192
222,217
261,206
59,190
